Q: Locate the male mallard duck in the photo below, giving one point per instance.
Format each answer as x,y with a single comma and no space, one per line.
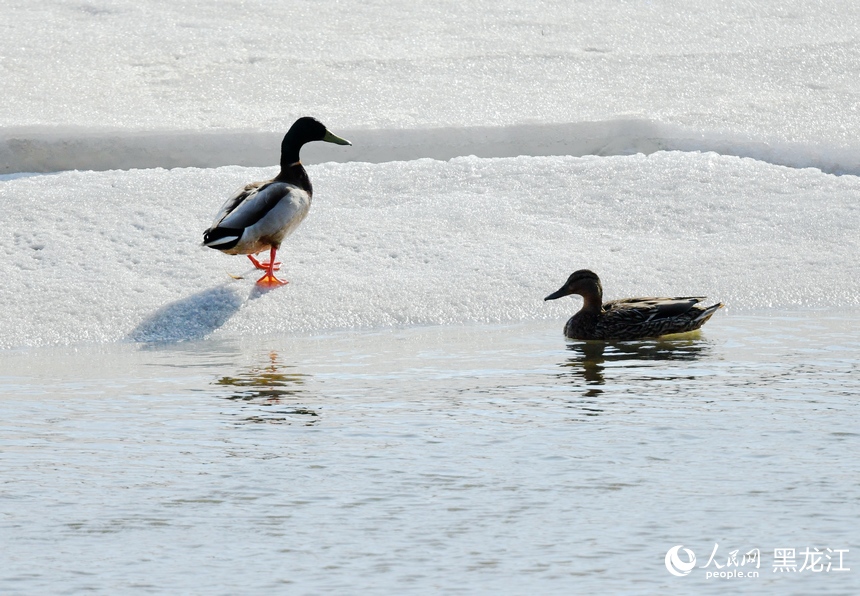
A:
261,214
628,318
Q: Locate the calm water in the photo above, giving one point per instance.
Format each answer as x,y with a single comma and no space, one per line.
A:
473,459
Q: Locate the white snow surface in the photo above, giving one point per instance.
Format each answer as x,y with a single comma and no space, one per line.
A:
116,255
100,84
474,185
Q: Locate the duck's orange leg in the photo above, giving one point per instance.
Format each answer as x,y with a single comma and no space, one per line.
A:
260,265
269,280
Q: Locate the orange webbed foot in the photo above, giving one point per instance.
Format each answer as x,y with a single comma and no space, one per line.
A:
270,281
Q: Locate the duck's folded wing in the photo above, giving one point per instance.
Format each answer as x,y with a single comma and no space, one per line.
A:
650,309
234,201
242,210
253,206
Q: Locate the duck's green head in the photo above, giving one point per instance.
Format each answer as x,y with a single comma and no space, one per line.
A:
304,130
307,129
583,282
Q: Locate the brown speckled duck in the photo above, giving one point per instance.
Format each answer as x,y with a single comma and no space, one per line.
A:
261,214
628,318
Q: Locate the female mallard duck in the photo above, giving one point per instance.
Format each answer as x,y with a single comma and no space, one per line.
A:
261,214
628,318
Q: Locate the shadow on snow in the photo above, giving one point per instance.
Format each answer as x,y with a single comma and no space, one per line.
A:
191,318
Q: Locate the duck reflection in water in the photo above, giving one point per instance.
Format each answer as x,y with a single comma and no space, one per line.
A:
588,361
271,385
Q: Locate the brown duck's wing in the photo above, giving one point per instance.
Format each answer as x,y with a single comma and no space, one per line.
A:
650,308
639,318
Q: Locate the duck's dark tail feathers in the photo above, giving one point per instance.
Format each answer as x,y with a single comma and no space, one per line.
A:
707,313
222,238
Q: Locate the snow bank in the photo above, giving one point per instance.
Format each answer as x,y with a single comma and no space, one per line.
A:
776,71
110,256
53,150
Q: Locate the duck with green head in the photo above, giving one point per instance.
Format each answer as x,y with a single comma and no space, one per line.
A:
628,318
261,214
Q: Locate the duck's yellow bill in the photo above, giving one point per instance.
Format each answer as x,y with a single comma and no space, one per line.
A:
333,138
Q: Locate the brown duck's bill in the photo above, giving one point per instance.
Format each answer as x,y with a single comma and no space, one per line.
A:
333,138
557,294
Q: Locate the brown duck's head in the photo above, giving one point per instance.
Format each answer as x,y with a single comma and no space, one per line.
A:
582,282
